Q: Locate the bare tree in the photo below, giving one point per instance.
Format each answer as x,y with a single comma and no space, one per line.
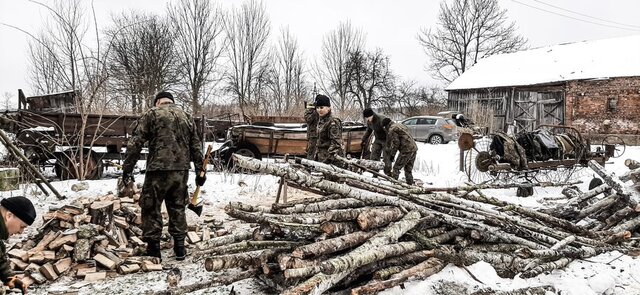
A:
369,78
330,76
411,99
141,57
247,29
7,100
467,31
199,46
287,80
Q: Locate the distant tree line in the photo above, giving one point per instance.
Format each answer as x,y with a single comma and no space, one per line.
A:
228,60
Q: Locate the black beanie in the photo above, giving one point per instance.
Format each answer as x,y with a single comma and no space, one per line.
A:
322,101
21,207
386,121
163,94
367,113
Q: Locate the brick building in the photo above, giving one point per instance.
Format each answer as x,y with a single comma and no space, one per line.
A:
593,86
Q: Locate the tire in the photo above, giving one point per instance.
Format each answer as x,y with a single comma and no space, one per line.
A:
436,139
248,150
595,182
219,138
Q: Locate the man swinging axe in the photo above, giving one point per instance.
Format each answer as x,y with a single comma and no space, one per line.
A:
173,144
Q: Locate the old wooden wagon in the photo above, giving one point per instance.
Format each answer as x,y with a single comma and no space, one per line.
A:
259,141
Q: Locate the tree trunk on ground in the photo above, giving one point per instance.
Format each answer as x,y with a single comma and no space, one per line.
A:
323,206
245,246
333,229
246,259
419,272
330,246
225,240
375,218
214,281
549,266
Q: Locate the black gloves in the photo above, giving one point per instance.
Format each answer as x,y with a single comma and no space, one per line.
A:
127,177
200,179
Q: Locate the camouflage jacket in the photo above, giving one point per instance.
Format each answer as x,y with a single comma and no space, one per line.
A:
172,137
311,117
330,135
399,139
376,128
5,268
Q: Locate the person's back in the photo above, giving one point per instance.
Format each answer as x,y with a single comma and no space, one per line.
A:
173,144
400,133
399,139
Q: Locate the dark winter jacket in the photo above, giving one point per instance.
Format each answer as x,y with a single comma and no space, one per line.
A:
376,128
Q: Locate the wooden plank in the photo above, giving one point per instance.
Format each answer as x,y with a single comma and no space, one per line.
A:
18,253
104,261
193,237
128,268
62,265
19,264
95,276
63,240
81,272
48,272
150,266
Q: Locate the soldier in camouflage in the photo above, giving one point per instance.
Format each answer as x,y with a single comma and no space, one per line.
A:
173,143
399,139
374,125
329,133
311,117
16,213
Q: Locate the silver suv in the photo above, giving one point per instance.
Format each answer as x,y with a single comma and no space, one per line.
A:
432,129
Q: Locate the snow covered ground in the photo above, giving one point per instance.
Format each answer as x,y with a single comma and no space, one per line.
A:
610,273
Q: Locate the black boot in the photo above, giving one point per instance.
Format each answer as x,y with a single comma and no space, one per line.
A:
153,248
178,249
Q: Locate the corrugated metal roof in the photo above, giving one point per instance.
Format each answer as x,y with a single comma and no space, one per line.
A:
605,58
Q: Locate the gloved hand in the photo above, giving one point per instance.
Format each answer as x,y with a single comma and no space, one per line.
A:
311,105
127,177
15,282
200,179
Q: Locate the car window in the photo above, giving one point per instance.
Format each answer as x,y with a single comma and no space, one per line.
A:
426,121
410,122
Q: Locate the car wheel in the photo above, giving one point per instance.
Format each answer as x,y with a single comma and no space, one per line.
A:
436,139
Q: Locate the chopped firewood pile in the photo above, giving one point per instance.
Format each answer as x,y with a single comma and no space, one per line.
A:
93,239
368,234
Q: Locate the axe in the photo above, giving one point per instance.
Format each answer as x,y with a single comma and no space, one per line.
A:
194,204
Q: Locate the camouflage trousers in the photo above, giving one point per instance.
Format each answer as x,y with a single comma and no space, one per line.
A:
376,151
170,187
311,147
405,161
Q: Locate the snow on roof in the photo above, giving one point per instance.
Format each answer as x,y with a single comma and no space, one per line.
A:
605,58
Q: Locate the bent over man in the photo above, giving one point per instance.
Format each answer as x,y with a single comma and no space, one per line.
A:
173,143
16,213
399,140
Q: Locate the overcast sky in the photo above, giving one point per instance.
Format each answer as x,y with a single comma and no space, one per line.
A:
391,25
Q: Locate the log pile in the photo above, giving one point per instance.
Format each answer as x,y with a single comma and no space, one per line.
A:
92,239
365,234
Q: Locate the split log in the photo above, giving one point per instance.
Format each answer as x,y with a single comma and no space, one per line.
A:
48,238
62,265
333,245
82,250
375,218
102,213
419,272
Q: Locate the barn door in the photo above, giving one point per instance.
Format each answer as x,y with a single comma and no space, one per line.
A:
525,106
551,108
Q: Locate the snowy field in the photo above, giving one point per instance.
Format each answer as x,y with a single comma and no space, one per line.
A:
610,273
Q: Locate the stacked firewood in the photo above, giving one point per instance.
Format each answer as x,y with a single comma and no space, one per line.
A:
92,239
369,234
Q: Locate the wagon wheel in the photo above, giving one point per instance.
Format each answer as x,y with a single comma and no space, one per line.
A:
68,165
476,161
614,146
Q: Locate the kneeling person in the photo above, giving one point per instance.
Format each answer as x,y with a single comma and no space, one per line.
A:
399,139
16,213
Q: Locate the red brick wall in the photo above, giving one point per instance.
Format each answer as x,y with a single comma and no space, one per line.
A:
586,105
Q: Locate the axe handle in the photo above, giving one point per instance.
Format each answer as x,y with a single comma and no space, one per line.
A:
205,162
